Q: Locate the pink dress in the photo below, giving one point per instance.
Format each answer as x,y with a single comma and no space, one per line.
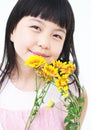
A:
15,106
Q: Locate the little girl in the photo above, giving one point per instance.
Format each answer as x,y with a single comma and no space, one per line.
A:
34,27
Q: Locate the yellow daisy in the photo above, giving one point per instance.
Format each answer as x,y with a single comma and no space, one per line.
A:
35,61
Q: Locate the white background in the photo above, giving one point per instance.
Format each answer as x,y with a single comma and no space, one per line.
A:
82,37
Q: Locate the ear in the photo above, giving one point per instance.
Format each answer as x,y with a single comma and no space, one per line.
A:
12,37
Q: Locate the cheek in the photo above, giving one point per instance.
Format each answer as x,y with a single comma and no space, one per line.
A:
56,51
22,37
23,41
22,46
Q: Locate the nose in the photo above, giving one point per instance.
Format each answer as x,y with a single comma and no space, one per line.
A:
44,41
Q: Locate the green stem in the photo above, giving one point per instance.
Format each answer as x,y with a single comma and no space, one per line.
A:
61,109
38,100
30,118
77,80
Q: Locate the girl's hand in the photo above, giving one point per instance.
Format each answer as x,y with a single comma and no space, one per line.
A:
84,105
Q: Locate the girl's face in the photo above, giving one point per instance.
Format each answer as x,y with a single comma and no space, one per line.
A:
35,36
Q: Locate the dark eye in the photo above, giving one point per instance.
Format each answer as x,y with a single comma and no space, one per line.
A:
36,27
57,36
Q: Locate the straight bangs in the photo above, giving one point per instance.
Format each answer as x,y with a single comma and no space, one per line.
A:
57,11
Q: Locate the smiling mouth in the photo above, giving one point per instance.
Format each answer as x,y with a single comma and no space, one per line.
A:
39,54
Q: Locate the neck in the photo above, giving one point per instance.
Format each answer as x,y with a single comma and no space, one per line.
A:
24,78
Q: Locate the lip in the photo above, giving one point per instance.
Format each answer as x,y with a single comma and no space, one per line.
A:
39,54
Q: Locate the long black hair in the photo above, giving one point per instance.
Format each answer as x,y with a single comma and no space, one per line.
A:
57,11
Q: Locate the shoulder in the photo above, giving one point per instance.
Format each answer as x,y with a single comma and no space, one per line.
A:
0,74
2,86
0,69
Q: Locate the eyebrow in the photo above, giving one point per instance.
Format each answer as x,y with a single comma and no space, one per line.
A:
59,29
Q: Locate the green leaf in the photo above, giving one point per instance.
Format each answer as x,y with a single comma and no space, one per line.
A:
71,126
81,100
68,118
37,104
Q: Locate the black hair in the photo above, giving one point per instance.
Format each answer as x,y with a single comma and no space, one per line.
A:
57,11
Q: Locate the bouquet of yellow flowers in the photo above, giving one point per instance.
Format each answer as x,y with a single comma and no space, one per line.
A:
59,74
